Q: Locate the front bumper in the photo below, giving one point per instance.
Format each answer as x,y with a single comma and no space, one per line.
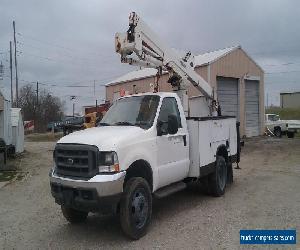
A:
100,193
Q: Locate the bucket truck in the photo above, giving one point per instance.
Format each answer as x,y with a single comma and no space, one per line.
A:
146,145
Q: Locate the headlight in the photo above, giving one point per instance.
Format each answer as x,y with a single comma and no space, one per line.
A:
108,162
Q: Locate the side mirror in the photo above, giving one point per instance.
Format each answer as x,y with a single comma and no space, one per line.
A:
161,128
172,124
167,127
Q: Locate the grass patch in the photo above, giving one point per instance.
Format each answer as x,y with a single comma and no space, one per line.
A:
285,113
43,137
7,175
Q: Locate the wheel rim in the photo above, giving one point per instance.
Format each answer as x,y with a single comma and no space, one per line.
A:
139,208
222,174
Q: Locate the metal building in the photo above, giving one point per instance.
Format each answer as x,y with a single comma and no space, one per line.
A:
290,100
237,80
5,120
17,130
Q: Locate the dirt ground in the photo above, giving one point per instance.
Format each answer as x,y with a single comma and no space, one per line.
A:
264,195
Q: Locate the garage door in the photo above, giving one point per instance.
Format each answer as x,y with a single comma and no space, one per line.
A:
252,108
228,96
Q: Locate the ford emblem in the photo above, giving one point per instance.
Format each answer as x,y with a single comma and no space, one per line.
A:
70,161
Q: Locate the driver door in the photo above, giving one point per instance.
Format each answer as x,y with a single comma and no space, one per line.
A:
173,155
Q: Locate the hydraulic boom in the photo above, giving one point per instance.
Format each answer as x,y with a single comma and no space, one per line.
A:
141,46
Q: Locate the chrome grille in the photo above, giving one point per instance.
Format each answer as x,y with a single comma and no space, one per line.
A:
76,160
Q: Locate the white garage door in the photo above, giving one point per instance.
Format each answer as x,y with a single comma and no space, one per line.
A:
228,97
252,108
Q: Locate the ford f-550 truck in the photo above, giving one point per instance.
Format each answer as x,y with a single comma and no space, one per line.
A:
147,145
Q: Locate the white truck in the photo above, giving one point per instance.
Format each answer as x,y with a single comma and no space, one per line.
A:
146,145
280,127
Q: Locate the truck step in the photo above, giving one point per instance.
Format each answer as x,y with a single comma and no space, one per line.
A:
170,189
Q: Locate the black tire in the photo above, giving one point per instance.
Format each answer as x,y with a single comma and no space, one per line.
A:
277,132
229,173
290,134
217,180
74,216
136,208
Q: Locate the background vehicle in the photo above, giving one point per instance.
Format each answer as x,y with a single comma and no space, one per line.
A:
78,123
146,144
280,127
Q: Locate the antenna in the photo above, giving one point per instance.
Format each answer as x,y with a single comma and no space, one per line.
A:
1,71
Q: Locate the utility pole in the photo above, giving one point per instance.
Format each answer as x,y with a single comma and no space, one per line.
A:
16,66
94,88
72,98
37,93
11,80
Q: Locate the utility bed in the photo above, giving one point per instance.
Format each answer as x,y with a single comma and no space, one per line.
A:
206,135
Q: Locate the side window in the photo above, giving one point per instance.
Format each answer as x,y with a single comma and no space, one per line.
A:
169,107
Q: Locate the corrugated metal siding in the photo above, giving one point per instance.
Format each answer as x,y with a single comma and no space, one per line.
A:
228,96
252,108
237,64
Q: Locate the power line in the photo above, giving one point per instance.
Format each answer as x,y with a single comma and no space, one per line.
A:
282,72
274,51
63,54
70,62
56,45
282,64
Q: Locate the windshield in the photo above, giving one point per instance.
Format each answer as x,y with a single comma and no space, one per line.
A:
274,118
132,111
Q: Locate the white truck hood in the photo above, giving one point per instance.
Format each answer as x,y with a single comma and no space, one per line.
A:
105,137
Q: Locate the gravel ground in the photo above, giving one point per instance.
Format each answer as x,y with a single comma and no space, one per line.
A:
265,194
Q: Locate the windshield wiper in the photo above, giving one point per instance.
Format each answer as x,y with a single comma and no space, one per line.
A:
103,124
124,124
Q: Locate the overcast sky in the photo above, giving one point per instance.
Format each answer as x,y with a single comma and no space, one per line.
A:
63,43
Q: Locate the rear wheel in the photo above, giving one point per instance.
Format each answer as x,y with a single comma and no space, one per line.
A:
290,134
73,215
229,173
217,180
136,208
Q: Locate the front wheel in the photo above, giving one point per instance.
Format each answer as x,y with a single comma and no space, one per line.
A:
136,208
217,180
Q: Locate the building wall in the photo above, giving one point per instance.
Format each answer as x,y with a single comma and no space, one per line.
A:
290,100
235,64
143,85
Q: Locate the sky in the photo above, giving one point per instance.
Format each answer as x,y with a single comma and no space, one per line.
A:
62,44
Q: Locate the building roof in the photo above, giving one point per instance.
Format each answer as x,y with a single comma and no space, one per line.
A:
134,75
289,93
200,60
213,56
15,116
2,93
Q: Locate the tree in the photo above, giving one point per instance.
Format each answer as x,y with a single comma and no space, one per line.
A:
49,108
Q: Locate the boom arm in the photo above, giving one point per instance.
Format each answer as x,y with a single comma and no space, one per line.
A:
142,47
